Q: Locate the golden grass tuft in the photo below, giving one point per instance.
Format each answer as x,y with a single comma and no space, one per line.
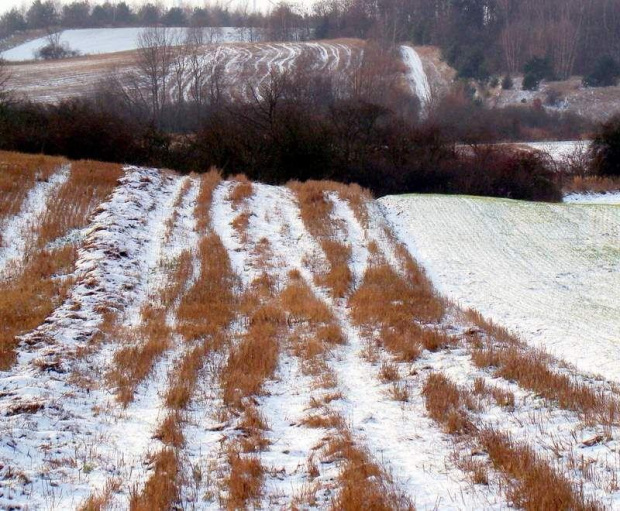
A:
446,404
315,210
533,484
363,484
241,190
530,370
162,489
245,480
209,306
395,305
208,184
513,360
18,174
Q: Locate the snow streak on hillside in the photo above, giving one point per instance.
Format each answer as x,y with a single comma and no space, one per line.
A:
416,76
549,272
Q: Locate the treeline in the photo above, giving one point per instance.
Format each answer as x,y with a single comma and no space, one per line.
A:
480,38
282,23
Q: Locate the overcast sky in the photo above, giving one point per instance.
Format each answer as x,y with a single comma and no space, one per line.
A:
6,5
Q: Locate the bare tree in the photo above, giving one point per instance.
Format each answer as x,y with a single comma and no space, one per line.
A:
155,63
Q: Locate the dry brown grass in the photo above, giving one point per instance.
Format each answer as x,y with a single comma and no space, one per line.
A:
100,501
241,190
313,330
530,370
88,185
209,306
512,359
170,431
315,210
388,372
302,306
339,278
446,404
255,358
18,174
208,184
502,397
591,184
162,489
245,480
134,362
363,484
532,483
33,294
395,305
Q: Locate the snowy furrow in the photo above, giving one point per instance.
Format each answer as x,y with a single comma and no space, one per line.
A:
287,396
557,435
548,272
18,233
144,414
420,462
72,438
352,234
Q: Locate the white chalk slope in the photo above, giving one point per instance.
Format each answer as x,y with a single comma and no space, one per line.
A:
550,272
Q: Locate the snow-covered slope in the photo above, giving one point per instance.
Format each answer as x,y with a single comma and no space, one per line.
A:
549,272
92,41
243,66
173,273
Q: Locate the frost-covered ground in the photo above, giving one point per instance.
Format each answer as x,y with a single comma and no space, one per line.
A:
550,272
553,270
94,41
558,150
593,198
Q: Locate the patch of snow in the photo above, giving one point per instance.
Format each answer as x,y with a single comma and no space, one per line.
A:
550,272
416,76
559,151
593,198
92,41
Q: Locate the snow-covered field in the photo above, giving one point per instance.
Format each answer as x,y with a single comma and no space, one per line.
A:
550,272
96,41
240,67
559,151
159,240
